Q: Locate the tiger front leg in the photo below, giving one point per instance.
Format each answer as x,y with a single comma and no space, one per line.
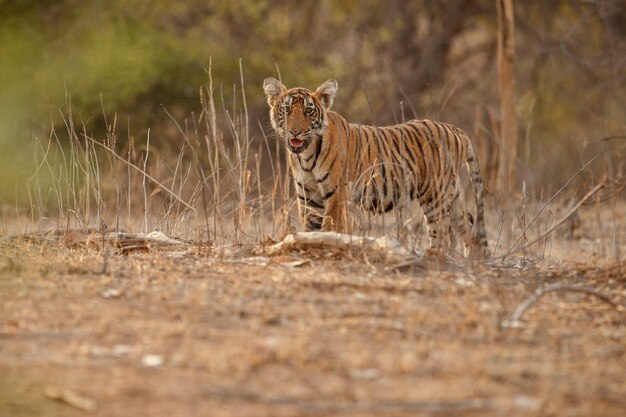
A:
335,216
311,218
312,221
310,203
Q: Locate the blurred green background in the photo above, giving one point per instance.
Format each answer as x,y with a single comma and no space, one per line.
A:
393,60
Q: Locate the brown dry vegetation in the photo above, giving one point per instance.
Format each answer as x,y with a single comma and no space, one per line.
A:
96,318
242,334
95,321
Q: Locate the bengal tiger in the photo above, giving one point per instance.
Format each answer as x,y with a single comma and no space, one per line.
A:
334,162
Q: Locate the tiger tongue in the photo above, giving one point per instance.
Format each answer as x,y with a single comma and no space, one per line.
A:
296,143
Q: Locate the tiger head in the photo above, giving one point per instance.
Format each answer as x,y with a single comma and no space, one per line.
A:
298,115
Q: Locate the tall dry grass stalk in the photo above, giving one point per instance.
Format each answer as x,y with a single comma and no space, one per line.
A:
209,188
221,182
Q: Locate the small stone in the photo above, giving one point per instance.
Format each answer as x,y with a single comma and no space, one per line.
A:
368,373
111,293
526,402
152,361
121,350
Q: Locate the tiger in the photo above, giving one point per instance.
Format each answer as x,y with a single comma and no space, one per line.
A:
334,163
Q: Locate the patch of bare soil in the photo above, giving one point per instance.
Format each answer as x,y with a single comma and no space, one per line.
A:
197,332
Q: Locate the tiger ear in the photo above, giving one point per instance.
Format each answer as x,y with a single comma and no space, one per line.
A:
326,93
273,89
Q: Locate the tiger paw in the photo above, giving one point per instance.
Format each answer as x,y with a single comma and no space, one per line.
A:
437,254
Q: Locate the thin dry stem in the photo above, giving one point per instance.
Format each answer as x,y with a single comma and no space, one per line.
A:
523,233
143,172
554,226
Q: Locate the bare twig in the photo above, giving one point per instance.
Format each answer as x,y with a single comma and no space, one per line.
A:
143,172
103,231
514,321
512,248
145,192
610,196
554,226
71,398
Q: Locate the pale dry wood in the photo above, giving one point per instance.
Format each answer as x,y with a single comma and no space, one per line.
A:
152,237
127,242
71,398
383,248
97,240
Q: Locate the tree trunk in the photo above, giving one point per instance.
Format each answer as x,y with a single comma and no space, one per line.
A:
506,87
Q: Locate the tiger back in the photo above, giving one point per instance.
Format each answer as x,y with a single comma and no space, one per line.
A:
334,162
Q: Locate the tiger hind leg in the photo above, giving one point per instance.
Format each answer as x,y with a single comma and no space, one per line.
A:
473,240
461,221
479,248
437,213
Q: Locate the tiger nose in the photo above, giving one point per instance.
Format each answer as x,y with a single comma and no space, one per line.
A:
295,132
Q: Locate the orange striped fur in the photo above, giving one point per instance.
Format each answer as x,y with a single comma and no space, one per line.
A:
334,162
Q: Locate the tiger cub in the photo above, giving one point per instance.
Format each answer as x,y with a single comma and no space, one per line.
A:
334,162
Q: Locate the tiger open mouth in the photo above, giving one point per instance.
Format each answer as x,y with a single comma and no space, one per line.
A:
297,145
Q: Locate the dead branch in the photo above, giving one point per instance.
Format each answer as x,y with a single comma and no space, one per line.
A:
514,321
554,226
71,398
611,195
383,248
122,242
580,171
128,242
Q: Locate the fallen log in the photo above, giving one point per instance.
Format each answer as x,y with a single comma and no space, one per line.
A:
380,248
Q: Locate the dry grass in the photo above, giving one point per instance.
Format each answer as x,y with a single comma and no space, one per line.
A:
95,317
187,333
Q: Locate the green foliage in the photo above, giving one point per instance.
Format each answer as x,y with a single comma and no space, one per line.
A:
393,59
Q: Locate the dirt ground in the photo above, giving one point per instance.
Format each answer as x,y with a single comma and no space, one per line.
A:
187,333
